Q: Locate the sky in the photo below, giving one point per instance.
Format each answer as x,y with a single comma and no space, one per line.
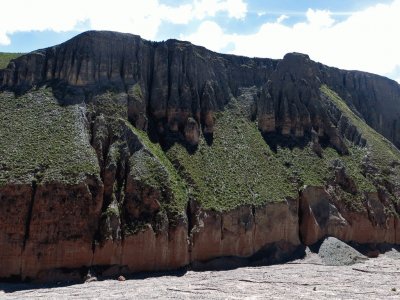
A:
354,35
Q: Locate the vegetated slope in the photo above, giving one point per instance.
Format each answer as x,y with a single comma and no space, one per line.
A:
127,155
237,168
5,58
43,141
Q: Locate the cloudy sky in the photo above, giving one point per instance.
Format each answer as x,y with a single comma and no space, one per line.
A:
349,34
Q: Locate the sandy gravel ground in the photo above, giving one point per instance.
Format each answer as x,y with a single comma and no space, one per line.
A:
377,278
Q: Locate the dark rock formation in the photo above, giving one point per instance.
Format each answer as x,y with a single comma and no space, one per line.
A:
173,83
373,97
170,83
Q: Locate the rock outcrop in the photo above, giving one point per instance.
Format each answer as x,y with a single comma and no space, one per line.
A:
323,216
363,91
133,100
170,84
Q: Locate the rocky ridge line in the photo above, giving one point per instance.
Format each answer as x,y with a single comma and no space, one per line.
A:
174,86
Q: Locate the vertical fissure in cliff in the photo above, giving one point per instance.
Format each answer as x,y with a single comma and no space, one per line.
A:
29,216
44,68
150,83
300,215
122,180
190,227
253,234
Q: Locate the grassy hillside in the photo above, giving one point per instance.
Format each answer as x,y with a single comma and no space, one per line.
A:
158,171
240,168
41,140
6,57
381,158
382,151
236,168
45,141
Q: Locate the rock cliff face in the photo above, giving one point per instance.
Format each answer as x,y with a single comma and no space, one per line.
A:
173,83
375,98
323,216
143,156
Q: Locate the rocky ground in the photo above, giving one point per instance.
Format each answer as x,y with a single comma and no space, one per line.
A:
345,275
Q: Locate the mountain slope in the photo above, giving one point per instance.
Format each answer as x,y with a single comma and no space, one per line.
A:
6,57
125,155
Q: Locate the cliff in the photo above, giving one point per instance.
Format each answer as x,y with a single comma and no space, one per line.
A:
122,155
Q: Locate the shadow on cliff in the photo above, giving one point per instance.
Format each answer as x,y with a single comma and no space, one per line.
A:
276,253
373,250
275,140
168,139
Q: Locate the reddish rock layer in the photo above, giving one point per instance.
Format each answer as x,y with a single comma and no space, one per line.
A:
322,215
14,213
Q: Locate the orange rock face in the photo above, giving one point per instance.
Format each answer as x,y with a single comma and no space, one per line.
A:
14,212
322,216
55,243
244,231
63,240
36,238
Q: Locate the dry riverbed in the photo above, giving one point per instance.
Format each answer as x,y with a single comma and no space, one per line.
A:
309,278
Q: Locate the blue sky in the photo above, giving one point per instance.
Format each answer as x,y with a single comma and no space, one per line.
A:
349,34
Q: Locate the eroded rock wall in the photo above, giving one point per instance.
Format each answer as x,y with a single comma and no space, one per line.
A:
122,224
375,98
176,87
323,215
48,227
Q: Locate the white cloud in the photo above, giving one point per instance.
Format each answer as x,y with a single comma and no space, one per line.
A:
235,8
366,40
282,18
210,35
135,16
177,15
319,18
395,73
4,39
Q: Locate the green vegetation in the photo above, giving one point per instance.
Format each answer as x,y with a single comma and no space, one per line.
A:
111,211
43,141
157,171
383,153
238,168
380,155
137,91
48,142
6,57
110,104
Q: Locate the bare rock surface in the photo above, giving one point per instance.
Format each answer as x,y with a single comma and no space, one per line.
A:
334,252
301,279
